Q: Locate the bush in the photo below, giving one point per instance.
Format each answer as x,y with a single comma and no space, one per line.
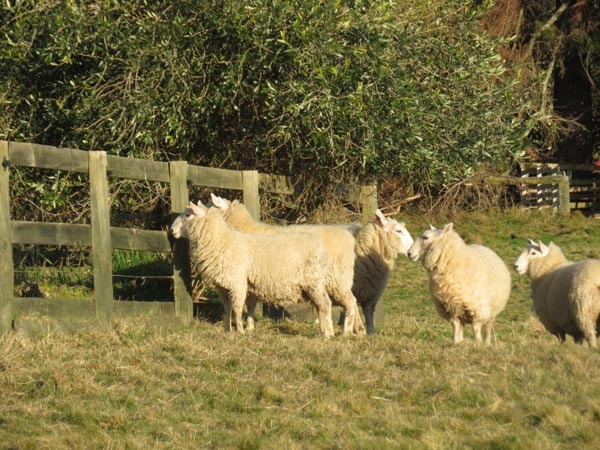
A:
347,90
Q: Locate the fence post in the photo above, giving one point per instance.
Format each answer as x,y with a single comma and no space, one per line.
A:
251,196
7,273
182,278
368,202
368,205
564,202
101,240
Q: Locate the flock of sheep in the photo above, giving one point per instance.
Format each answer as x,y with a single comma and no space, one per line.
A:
247,261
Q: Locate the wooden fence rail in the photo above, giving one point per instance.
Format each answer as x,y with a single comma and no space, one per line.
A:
103,238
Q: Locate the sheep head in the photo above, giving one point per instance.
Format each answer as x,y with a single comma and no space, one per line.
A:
423,244
398,229
533,251
179,226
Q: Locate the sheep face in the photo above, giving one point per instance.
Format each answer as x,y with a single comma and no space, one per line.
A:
178,229
406,240
532,251
179,226
424,243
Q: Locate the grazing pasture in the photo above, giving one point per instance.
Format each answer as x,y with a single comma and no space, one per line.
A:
284,386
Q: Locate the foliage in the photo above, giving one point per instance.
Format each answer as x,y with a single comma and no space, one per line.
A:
344,90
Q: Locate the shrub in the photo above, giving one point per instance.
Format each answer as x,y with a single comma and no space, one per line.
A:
345,90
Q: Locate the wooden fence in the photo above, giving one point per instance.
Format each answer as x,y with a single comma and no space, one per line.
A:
561,181
103,238
584,190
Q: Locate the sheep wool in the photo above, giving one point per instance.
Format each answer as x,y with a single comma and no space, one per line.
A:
275,269
565,295
469,283
378,244
339,245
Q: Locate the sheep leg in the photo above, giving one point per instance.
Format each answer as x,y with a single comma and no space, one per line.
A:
359,326
369,311
457,326
591,339
322,303
587,327
325,322
477,331
251,306
238,311
589,332
227,313
487,332
351,314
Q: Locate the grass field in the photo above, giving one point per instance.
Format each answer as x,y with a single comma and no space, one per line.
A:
284,387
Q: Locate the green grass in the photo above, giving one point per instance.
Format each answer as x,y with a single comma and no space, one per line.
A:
130,282
60,277
136,386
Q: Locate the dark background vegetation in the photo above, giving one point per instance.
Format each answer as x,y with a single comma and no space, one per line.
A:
418,97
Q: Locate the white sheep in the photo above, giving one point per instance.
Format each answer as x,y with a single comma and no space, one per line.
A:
566,295
275,269
468,283
378,244
338,241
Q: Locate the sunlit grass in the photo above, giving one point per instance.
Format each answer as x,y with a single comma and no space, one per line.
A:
284,386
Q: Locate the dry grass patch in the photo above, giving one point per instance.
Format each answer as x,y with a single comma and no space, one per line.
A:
284,386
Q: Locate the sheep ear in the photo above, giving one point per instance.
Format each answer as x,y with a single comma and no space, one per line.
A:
198,210
218,202
447,228
431,227
543,248
379,216
531,242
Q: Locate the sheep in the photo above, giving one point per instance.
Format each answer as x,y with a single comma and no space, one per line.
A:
378,243
275,269
468,283
339,246
566,295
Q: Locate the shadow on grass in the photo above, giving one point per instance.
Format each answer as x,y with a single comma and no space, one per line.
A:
279,320
286,328
211,311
